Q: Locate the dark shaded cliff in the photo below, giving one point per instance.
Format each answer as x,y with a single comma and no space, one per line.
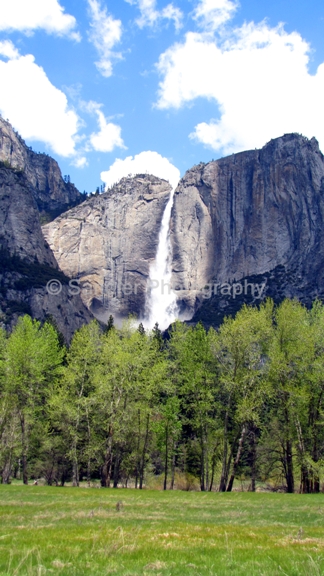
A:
27,263
252,214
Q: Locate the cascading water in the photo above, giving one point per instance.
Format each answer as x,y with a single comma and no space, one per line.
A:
161,303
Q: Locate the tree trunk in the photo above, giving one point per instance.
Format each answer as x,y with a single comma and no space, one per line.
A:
89,452
89,472
206,460
24,449
213,463
63,476
142,468
173,466
212,478
315,456
166,457
202,463
117,460
237,459
5,477
172,470
305,472
316,480
212,474
228,464
253,466
224,474
75,474
290,470
106,469
138,449
207,469
75,465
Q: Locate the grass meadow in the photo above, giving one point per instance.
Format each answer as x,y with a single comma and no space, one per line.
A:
88,531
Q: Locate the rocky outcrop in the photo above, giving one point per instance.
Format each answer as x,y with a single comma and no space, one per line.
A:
52,194
246,215
27,263
109,242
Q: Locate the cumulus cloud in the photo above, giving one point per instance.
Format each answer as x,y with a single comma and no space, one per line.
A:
211,14
28,16
146,162
109,136
105,33
36,108
258,78
8,50
150,16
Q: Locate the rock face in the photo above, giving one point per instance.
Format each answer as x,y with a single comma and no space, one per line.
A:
52,194
253,220
27,263
247,215
24,291
243,227
20,230
109,242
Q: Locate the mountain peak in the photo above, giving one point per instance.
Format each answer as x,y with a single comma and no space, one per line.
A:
52,194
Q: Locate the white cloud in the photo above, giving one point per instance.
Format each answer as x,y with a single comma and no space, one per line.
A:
211,14
258,79
8,50
150,15
36,108
146,162
109,136
105,33
80,162
30,15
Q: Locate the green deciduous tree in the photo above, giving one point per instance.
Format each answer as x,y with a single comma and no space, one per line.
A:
239,348
291,354
33,361
72,405
194,372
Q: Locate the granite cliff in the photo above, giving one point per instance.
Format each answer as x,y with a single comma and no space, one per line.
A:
253,220
27,263
243,227
109,242
52,194
20,229
253,217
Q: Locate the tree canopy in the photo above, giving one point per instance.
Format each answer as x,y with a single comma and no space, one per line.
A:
201,407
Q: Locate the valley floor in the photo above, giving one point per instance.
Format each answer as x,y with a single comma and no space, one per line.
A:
126,532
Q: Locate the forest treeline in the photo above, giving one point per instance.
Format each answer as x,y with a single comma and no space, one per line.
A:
243,401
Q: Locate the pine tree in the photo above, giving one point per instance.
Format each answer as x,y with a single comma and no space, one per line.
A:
141,329
110,324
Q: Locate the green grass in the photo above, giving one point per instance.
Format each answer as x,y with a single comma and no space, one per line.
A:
79,531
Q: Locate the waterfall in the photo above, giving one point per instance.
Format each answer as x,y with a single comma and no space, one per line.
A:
161,303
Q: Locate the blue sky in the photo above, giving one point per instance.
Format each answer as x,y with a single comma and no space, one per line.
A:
113,87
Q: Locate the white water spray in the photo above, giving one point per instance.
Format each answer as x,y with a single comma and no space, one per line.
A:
161,303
